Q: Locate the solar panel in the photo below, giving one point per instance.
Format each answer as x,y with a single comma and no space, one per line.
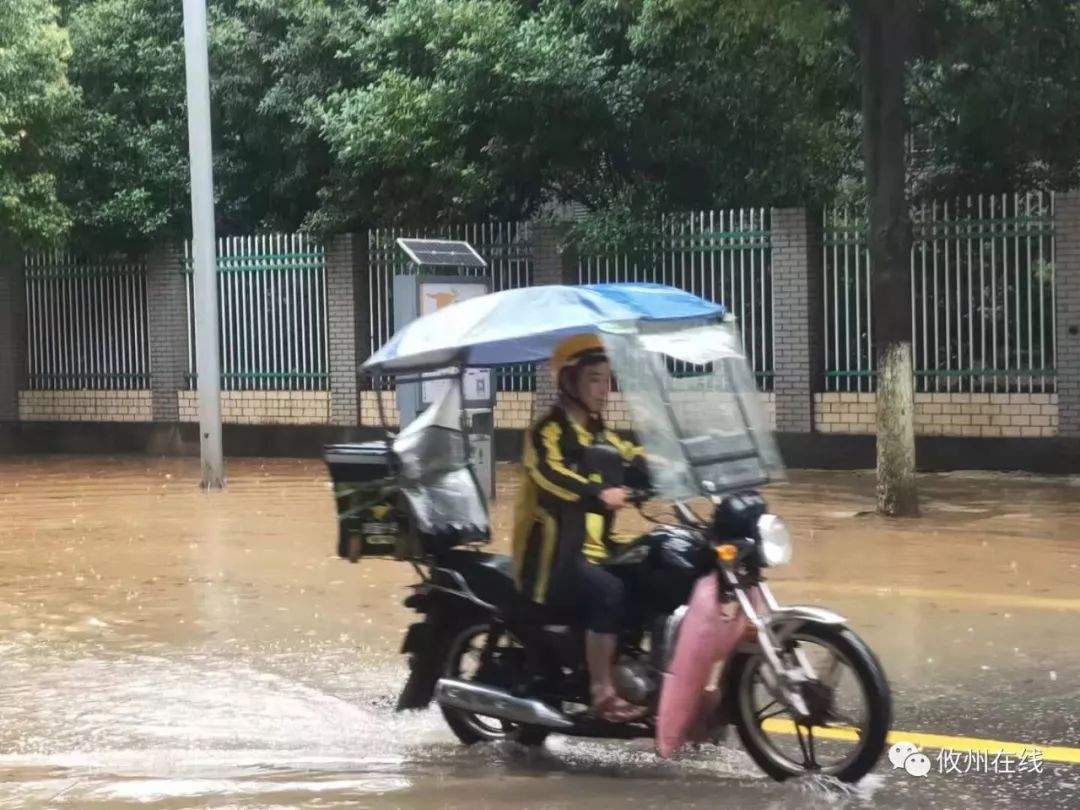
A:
441,253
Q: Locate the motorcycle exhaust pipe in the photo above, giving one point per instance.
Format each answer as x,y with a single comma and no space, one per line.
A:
486,700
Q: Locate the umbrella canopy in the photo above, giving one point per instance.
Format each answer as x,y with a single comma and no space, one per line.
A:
518,326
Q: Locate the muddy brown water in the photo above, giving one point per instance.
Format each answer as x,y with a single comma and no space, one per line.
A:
166,647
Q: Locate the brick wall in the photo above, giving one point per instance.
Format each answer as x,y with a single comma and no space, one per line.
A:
769,402
343,256
369,408
12,330
553,263
264,407
796,256
617,415
166,299
982,415
796,272
85,406
1067,279
512,409
515,409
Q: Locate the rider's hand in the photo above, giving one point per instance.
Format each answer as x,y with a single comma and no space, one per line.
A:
615,497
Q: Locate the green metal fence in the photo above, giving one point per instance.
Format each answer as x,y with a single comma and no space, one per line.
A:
721,255
272,311
982,293
86,322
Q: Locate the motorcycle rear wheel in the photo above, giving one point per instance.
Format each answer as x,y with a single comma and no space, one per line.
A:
872,729
471,728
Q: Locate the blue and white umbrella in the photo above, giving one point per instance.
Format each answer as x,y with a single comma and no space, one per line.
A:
525,325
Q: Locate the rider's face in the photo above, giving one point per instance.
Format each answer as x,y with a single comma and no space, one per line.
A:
594,384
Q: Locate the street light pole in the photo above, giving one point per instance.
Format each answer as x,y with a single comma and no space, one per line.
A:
208,363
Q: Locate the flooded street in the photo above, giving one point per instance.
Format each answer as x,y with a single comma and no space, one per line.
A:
165,647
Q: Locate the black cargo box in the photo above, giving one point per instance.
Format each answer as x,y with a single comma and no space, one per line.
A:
370,518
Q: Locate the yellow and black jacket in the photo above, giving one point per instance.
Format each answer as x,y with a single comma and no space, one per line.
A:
559,515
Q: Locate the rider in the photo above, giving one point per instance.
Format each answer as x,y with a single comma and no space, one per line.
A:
564,513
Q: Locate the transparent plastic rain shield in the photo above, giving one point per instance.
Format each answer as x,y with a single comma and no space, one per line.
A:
436,480
695,408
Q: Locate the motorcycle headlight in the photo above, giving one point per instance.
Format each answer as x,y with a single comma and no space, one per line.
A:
775,540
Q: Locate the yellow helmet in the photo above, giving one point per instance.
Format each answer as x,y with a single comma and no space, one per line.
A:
575,349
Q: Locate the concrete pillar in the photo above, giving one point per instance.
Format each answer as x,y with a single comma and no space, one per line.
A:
1067,280
167,326
12,329
348,329
554,262
797,291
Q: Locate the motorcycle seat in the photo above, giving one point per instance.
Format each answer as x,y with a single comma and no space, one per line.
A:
491,577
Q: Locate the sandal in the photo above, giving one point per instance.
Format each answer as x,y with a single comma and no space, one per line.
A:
613,709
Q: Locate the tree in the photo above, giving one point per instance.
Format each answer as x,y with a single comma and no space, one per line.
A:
344,113
35,104
272,59
126,176
994,98
884,35
463,110
493,108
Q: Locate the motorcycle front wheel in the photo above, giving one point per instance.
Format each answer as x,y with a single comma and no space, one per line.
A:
848,698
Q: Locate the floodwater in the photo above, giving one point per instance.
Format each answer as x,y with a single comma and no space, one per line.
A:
166,647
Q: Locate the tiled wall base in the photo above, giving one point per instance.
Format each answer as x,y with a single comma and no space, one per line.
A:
514,409
84,406
264,407
985,415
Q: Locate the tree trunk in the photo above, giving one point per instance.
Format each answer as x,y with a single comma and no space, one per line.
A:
884,43
896,490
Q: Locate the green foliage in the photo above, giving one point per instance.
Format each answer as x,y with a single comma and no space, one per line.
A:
464,109
335,114
487,108
996,104
126,176
283,54
35,102
744,115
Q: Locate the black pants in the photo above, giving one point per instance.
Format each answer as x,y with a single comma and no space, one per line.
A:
599,595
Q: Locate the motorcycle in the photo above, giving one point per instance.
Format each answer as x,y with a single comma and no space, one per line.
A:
708,646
